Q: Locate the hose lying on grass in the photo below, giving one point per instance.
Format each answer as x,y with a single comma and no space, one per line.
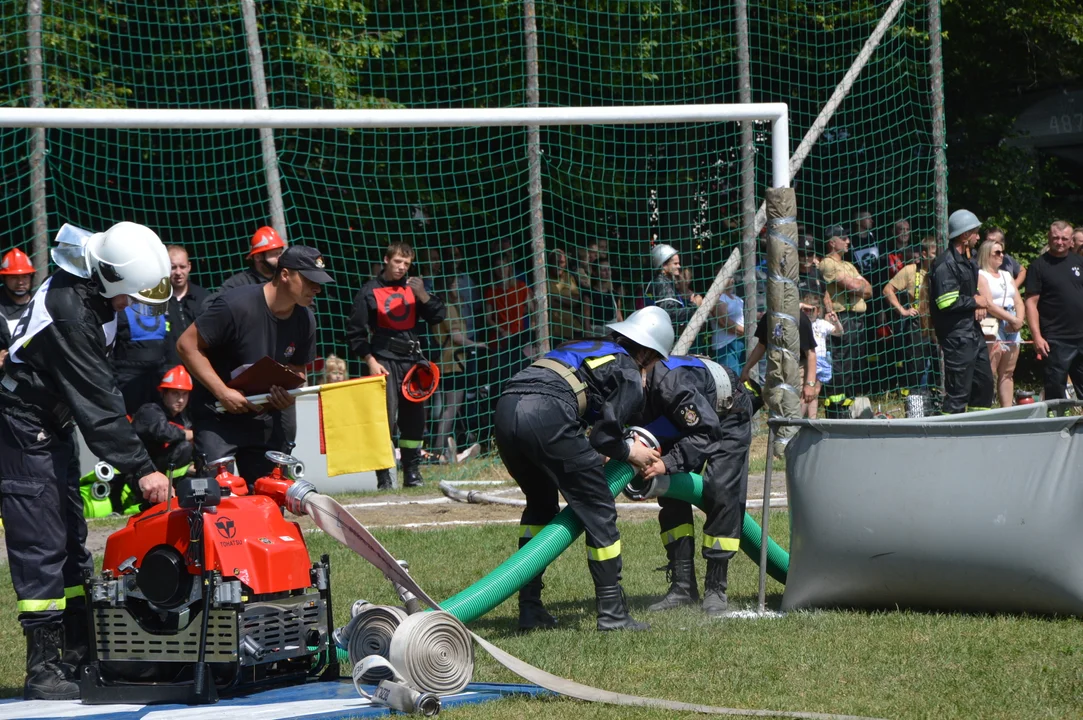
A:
558,535
333,519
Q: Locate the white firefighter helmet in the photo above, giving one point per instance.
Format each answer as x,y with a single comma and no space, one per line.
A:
660,255
649,327
960,222
130,259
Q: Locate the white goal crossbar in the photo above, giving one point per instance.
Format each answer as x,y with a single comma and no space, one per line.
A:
112,118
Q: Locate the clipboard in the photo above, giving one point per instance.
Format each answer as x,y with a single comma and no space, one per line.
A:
258,377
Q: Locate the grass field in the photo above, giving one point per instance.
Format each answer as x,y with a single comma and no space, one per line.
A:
886,664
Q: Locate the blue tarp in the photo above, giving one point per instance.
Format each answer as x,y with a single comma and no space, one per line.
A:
314,701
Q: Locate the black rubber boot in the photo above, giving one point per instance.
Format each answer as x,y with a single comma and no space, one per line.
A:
45,679
76,641
681,574
383,480
411,468
532,613
715,602
613,610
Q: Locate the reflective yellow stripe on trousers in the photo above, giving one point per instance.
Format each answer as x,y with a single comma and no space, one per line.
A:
529,531
721,543
674,534
74,591
41,605
606,553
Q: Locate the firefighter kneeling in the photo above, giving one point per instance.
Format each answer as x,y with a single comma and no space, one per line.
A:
703,419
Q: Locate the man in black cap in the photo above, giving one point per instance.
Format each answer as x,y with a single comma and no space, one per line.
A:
237,329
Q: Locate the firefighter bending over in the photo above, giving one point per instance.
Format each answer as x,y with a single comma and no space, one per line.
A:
541,425
702,417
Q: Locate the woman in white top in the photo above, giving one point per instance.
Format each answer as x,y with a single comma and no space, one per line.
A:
998,288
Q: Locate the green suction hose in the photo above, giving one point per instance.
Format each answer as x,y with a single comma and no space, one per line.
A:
547,545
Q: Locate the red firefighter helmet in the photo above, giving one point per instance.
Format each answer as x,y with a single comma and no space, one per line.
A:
176,379
16,262
266,238
421,381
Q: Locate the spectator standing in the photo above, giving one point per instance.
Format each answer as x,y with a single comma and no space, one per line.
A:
1013,266
264,250
729,334
186,303
1055,311
565,311
998,288
808,269
600,304
662,290
956,308
470,302
846,296
382,330
865,245
18,273
1077,241
903,294
822,329
806,353
456,345
508,306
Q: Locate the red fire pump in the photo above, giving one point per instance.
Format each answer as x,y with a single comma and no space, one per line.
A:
211,592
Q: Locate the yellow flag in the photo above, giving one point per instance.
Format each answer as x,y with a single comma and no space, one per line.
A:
353,426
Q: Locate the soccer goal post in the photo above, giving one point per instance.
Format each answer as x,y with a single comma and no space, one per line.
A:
685,155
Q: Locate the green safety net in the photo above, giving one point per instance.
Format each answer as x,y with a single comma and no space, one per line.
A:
461,195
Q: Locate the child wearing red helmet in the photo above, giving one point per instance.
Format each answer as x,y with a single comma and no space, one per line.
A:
163,425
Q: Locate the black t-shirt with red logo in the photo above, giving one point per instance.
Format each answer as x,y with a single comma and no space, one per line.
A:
386,309
240,330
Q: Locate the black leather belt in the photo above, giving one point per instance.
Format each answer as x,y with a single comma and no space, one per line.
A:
400,346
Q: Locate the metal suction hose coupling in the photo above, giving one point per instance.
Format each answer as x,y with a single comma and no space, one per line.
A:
297,494
104,471
638,488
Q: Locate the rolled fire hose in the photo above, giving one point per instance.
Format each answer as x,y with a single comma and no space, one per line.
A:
370,631
433,652
338,523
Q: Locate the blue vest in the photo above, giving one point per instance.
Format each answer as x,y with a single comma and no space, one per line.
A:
676,361
144,329
574,354
664,430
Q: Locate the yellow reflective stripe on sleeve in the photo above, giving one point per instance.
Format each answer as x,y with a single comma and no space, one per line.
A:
606,553
411,444
721,543
73,592
675,534
599,361
180,472
41,605
947,299
529,531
